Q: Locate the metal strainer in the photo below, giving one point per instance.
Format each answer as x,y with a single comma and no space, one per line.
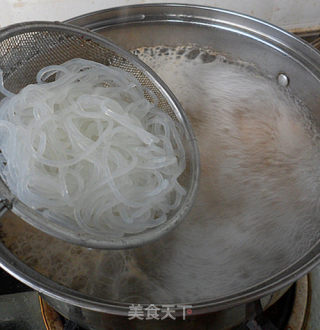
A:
28,47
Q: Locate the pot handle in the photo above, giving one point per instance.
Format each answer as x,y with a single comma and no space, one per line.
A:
5,205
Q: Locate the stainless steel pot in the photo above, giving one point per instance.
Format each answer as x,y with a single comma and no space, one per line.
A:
278,54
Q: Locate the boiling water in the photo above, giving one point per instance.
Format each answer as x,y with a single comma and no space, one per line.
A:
257,207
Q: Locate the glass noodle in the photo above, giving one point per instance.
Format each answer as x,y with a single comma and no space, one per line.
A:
88,147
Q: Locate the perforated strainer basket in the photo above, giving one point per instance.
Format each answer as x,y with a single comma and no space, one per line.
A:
28,47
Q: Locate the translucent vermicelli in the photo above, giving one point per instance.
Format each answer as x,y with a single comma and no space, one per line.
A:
88,146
